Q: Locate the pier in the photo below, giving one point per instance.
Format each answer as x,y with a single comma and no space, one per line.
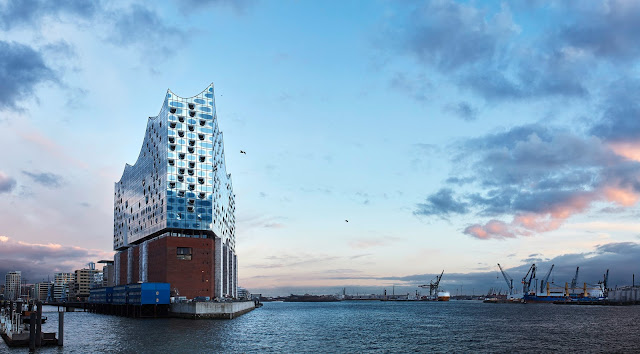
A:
16,332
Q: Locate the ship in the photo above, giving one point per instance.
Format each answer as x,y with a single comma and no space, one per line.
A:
549,292
311,298
435,293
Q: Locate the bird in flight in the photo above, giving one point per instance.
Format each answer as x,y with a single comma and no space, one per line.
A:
346,220
242,152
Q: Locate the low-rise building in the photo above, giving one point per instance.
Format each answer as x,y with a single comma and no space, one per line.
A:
61,286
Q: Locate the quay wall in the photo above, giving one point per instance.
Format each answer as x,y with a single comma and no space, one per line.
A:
625,295
221,310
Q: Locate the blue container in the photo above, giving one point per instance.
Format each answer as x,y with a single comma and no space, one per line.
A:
120,295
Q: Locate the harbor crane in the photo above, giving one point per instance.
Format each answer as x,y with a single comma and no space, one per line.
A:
545,280
603,283
508,279
433,285
574,281
526,283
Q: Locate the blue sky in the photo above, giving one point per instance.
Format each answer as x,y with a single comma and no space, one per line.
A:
451,134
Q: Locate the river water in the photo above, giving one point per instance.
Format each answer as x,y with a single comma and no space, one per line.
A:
361,326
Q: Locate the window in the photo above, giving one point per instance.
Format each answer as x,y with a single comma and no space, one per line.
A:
192,113
202,158
201,136
202,122
192,106
172,110
184,253
181,119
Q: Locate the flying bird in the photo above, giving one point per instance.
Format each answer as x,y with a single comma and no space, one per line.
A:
346,220
242,152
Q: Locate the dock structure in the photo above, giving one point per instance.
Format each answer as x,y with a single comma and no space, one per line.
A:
151,300
211,310
16,332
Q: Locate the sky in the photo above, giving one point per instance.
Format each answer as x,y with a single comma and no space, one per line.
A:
452,135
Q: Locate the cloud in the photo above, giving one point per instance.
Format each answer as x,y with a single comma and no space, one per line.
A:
22,68
7,184
483,50
372,242
441,203
240,6
30,12
463,110
452,36
620,122
142,28
415,87
293,261
47,179
539,176
37,261
604,29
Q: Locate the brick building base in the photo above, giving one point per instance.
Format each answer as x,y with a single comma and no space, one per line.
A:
188,277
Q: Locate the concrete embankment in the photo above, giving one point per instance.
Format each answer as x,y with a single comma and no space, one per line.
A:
625,296
215,310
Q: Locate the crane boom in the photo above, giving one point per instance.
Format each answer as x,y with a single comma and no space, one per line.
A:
546,278
433,285
574,281
526,283
508,279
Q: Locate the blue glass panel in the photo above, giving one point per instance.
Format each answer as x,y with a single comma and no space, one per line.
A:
191,121
210,89
176,104
199,100
169,207
205,116
176,224
206,109
206,131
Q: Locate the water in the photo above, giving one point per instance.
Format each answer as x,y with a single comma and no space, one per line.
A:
361,326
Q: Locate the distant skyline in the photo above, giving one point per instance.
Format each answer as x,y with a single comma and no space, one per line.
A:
450,134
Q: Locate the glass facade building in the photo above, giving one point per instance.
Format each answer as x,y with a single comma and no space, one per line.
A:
178,187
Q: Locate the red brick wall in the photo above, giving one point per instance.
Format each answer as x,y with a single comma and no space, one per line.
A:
135,274
190,278
122,277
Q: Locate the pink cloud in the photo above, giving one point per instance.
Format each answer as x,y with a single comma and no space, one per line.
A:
526,224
